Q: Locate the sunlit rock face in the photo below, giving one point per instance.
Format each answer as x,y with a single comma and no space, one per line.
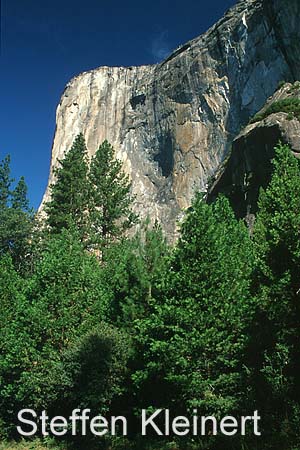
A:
172,124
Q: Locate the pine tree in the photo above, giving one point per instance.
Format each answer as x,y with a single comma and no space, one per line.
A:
96,200
192,345
19,196
277,284
15,341
136,270
111,213
68,206
16,218
56,351
5,182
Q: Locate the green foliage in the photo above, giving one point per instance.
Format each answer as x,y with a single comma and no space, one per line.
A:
62,300
280,84
295,87
277,224
16,343
193,342
95,366
211,324
111,214
16,218
69,201
289,105
19,199
134,273
5,182
36,444
277,243
96,200
66,288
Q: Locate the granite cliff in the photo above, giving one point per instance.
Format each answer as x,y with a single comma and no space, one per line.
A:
248,166
172,124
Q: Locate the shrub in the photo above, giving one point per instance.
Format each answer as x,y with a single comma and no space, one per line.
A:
291,106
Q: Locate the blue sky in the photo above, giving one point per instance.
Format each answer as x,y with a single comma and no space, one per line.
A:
44,43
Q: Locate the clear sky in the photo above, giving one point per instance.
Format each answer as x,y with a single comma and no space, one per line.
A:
46,42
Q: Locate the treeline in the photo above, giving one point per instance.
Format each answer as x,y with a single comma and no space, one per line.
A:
92,318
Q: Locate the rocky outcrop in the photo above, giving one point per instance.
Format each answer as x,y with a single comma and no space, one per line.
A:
172,124
249,165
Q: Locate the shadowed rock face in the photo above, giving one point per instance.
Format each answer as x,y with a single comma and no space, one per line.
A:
249,164
172,124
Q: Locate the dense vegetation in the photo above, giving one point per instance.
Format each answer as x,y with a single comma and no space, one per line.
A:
290,105
92,318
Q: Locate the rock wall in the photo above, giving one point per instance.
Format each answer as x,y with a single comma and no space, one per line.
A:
172,124
249,165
